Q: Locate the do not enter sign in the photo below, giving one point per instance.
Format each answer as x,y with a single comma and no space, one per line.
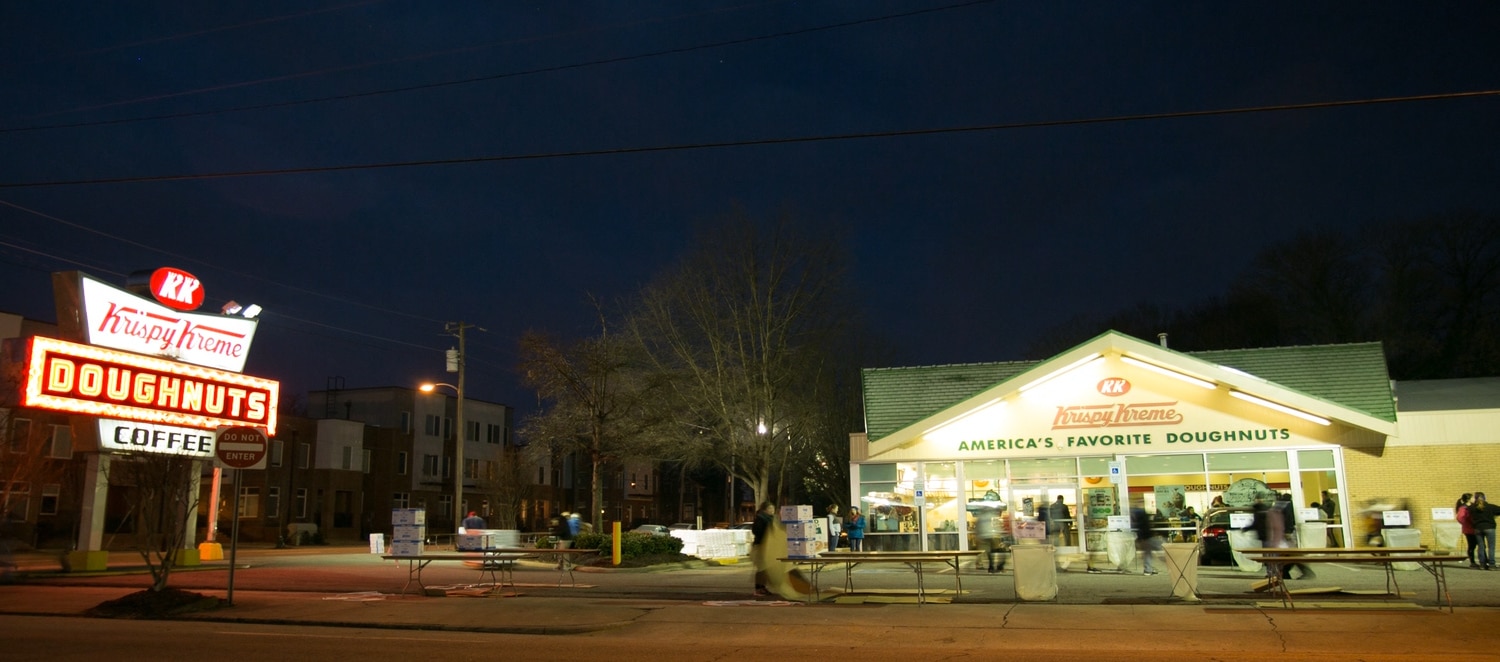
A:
241,447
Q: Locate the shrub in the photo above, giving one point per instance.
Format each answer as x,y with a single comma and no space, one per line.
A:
632,545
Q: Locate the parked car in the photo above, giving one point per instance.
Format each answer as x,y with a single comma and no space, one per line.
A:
684,525
1215,536
653,529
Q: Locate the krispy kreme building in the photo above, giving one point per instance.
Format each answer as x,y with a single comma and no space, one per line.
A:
1118,423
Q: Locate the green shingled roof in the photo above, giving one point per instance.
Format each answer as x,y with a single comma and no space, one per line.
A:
1352,375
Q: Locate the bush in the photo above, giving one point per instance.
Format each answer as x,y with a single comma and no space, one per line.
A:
632,545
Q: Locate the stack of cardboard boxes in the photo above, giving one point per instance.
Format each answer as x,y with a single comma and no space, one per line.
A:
410,530
806,536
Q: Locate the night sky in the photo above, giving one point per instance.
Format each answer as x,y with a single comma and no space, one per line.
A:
413,163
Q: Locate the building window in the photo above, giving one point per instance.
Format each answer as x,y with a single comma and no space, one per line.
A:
273,501
447,428
541,476
430,425
49,499
20,435
471,429
18,502
347,461
406,422
299,504
277,448
401,462
445,504
429,465
304,455
364,460
401,500
447,466
491,433
62,442
249,501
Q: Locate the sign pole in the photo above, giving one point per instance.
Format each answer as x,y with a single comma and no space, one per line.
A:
234,533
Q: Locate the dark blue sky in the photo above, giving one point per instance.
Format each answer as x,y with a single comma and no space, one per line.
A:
967,244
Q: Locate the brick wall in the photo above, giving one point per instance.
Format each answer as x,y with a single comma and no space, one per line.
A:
1425,477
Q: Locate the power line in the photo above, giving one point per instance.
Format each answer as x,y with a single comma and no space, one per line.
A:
442,84
213,265
1113,119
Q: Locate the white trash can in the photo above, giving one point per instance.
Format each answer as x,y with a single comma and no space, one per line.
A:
1240,539
1120,549
1448,536
1312,534
1035,572
1182,568
1404,537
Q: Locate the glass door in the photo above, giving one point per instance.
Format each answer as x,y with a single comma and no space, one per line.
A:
1053,506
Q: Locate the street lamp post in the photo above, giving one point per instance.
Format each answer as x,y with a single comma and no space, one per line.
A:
458,451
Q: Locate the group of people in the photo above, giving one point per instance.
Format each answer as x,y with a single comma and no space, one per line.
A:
1476,519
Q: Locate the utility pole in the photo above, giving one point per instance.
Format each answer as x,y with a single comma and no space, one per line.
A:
456,362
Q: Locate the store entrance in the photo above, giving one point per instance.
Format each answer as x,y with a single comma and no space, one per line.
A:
1052,502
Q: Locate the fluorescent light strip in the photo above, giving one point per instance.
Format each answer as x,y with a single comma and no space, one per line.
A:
997,402
1281,408
1170,373
1058,373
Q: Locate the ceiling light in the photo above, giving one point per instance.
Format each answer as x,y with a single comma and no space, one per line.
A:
1168,372
1281,408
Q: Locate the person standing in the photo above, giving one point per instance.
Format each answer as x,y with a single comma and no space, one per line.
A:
760,531
835,524
856,531
473,521
1060,520
1482,513
1466,526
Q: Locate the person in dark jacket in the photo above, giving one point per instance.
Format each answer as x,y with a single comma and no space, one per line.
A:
856,529
1147,542
1482,515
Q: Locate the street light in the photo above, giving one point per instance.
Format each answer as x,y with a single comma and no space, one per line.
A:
458,448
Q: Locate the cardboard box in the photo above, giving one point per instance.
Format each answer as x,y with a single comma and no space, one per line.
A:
806,529
805,549
406,548
408,516
471,542
409,532
796,513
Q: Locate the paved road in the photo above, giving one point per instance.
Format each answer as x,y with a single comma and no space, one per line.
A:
703,613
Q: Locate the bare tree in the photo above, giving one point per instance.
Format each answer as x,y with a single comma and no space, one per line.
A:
163,493
594,403
744,332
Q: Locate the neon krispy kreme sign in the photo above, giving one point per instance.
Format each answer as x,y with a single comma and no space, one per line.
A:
129,437
1103,416
69,377
121,320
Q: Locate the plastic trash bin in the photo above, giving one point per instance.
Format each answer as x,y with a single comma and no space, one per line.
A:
1240,539
1448,536
1312,534
1120,549
1182,569
1404,537
1035,571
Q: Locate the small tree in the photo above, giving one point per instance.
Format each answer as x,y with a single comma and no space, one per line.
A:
164,493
